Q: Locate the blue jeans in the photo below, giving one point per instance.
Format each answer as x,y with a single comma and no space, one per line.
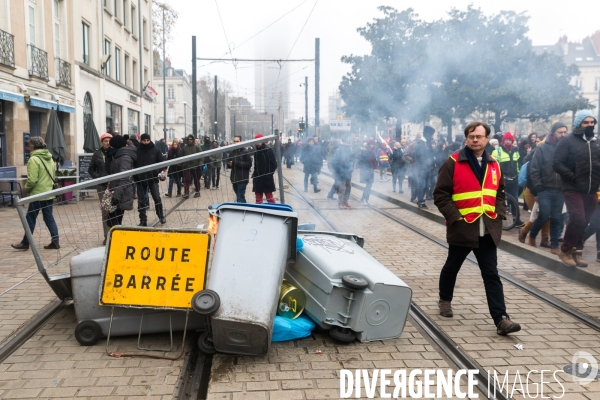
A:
32,213
594,228
550,206
177,180
512,188
239,189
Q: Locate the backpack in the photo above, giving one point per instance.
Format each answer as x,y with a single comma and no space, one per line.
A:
523,175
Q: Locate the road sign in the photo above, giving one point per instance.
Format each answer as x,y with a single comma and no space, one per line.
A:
340,125
153,268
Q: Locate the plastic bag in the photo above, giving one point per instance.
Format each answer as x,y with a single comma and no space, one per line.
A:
299,244
534,212
285,329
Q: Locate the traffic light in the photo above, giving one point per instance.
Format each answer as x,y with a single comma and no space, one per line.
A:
301,126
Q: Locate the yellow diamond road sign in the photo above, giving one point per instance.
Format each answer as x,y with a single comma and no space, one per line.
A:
154,268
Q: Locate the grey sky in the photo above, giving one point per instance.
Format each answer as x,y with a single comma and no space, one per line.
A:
335,23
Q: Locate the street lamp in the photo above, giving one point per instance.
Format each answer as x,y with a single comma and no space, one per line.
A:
184,119
215,133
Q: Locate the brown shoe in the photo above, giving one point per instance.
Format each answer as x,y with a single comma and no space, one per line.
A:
531,242
567,258
522,236
52,246
555,251
545,243
506,326
347,205
445,308
342,207
578,258
20,246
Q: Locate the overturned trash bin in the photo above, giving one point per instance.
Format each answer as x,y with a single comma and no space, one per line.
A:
252,245
150,285
347,290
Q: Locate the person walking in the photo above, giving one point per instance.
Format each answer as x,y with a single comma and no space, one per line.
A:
120,158
239,163
173,153
265,165
288,151
383,161
508,157
547,188
41,175
367,163
190,168
421,167
147,182
205,172
470,195
341,165
397,163
215,166
97,169
577,161
312,160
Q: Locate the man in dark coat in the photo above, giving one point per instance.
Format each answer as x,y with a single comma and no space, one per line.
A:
206,146
577,161
191,169
265,165
341,165
288,152
240,163
482,235
148,154
120,158
312,160
398,170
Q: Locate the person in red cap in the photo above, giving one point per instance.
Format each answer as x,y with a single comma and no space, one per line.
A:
265,165
508,157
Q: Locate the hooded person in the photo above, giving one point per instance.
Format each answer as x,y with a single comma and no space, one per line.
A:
577,161
97,169
265,165
120,158
507,155
191,169
148,154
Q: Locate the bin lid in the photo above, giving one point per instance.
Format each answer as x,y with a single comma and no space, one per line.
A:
269,206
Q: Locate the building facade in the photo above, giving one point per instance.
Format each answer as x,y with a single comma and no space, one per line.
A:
36,70
113,66
179,120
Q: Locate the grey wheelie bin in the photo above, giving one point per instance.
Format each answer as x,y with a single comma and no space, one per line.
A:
252,245
347,290
93,319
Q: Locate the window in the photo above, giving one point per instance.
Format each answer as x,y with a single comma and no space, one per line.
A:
4,19
145,33
597,86
170,93
116,8
107,52
579,82
125,13
86,43
146,81
31,11
113,118
117,64
170,115
578,59
133,21
126,70
134,74
57,52
146,124
133,120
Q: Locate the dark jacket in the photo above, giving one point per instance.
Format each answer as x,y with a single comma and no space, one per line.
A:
147,155
189,150
367,162
173,154
341,163
241,162
461,233
540,171
265,165
119,161
312,159
97,167
396,159
509,162
577,161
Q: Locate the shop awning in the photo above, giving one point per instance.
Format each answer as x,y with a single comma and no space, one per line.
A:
43,103
11,96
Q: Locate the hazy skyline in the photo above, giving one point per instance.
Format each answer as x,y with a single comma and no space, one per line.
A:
335,23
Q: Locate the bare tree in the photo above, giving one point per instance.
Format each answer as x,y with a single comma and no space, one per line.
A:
170,15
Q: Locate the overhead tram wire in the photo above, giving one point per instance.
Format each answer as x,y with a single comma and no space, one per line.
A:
229,47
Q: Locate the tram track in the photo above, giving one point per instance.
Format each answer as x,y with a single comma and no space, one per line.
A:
436,335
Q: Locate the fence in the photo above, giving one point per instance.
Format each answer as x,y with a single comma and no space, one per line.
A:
81,224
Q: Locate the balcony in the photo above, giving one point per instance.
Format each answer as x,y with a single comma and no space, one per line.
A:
63,73
38,62
7,49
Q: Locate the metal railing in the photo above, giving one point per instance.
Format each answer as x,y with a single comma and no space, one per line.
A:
80,222
63,73
38,62
7,49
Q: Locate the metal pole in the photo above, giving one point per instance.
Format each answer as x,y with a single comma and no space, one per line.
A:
216,94
34,250
279,169
233,126
194,91
317,82
164,80
272,131
306,105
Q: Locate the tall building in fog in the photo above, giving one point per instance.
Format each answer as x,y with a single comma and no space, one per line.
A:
269,79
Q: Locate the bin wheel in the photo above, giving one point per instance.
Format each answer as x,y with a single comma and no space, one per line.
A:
88,333
354,282
206,344
342,334
206,302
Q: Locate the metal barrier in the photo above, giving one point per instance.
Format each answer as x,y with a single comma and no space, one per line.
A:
81,223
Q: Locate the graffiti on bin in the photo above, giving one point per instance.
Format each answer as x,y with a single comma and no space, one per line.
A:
154,268
328,243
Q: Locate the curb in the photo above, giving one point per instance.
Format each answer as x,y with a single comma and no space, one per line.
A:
537,257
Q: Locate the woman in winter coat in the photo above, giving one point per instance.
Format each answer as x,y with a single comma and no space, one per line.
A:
265,165
175,172
216,161
367,163
120,158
